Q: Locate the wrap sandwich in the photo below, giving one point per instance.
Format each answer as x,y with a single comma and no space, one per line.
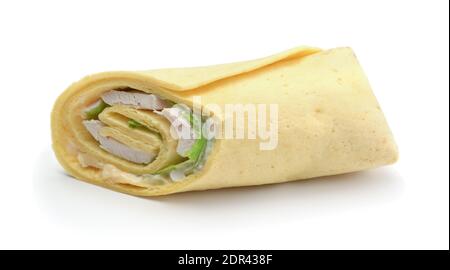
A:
162,131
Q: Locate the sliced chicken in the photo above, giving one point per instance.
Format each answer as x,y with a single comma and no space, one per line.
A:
135,99
115,147
171,114
93,105
121,150
180,129
93,126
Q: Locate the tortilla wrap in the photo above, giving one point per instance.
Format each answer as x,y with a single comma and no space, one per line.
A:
329,122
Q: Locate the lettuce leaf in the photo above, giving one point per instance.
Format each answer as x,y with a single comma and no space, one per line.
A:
196,150
95,111
134,124
187,164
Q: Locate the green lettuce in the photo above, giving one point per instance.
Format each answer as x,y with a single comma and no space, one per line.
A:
134,124
196,150
95,111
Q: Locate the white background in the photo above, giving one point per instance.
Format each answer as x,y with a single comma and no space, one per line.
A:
402,45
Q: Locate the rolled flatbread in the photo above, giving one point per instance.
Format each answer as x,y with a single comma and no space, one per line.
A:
123,130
